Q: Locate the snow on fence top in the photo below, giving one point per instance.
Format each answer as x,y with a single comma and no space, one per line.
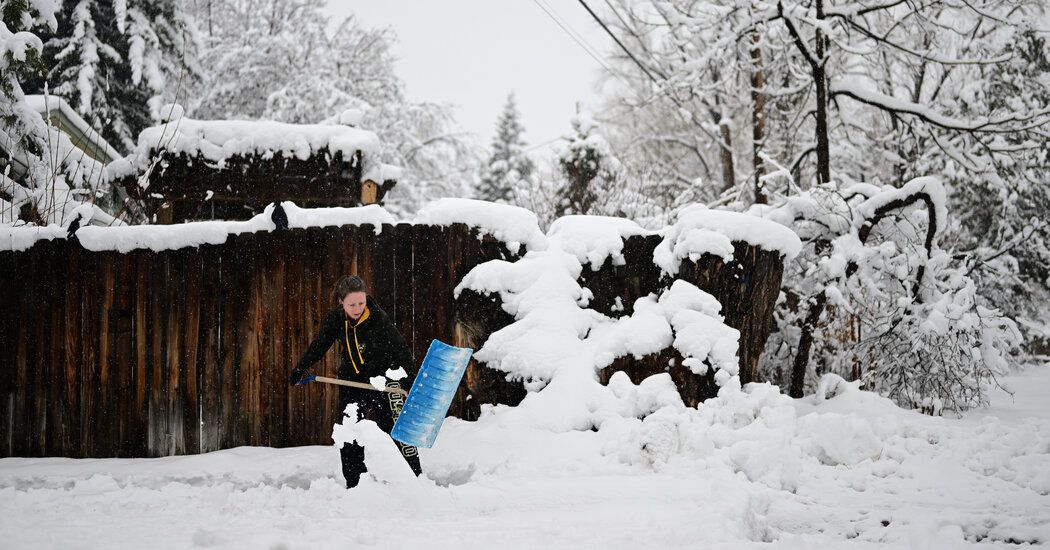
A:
511,224
590,239
217,140
171,237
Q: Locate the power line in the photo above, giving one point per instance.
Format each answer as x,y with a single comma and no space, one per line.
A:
579,42
665,90
572,30
617,40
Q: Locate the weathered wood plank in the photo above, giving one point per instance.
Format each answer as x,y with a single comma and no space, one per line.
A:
403,313
209,387
121,344
158,404
192,355
8,352
142,346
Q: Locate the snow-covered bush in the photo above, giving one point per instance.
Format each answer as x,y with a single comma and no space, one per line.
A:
873,298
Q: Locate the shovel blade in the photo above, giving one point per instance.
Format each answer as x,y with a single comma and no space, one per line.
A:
431,394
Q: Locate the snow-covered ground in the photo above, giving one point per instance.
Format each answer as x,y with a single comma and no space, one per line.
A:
752,469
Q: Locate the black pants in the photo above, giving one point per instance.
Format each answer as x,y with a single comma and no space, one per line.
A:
376,407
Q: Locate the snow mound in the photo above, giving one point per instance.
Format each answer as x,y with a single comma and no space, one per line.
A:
592,239
699,230
382,458
557,345
513,225
351,117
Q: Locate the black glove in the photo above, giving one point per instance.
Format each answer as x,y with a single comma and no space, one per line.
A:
296,376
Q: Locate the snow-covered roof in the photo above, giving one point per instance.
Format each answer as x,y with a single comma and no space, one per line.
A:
217,140
88,139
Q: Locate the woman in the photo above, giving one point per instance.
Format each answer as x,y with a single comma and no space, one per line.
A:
369,345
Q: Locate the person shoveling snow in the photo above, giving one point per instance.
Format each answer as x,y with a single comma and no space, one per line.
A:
371,349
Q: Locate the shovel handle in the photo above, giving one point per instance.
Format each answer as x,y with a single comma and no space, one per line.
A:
340,382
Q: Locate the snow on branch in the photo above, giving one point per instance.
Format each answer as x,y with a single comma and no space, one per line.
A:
1002,124
926,56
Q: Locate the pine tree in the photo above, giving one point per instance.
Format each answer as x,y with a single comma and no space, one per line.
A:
117,61
20,58
508,164
588,166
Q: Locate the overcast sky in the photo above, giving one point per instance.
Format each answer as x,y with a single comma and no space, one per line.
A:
472,53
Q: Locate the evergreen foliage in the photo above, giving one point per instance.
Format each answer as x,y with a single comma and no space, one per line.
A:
116,62
508,166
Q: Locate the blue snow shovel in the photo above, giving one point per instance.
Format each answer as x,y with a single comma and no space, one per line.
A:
428,399
431,394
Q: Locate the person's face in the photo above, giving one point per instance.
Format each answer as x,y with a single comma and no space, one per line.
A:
353,304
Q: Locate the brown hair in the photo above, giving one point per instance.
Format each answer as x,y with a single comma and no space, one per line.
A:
347,284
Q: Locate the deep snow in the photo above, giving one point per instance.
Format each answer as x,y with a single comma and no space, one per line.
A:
750,469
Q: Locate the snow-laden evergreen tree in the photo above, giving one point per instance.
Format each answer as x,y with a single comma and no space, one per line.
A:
588,167
508,166
20,58
117,61
281,60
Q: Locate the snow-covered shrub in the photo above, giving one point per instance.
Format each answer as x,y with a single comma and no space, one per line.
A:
943,351
873,298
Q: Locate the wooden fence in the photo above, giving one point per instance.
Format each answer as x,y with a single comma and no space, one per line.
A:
143,354
104,354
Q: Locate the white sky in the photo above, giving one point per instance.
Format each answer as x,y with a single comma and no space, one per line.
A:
472,53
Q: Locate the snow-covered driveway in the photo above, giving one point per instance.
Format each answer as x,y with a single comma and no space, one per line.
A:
755,470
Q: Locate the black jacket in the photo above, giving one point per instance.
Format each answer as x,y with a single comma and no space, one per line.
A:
367,348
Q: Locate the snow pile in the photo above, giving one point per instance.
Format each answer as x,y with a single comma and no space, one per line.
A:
513,225
218,140
700,231
592,239
382,458
556,345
